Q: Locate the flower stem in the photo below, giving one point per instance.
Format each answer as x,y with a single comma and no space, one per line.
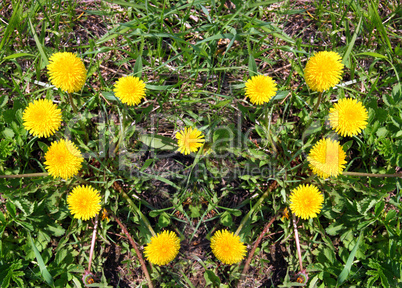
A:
70,98
91,252
297,241
139,255
135,208
251,254
317,104
24,175
361,174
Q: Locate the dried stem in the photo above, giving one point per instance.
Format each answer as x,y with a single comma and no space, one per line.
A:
139,255
91,252
251,254
297,241
24,175
361,174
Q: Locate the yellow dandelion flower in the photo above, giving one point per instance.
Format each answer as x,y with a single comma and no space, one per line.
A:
105,215
84,202
189,140
260,89
42,118
323,70
67,71
129,90
285,214
327,158
306,201
163,248
348,117
227,247
63,159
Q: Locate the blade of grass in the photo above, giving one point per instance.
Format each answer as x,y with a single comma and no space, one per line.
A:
264,3
346,270
138,66
352,42
45,61
46,275
376,19
252,66
14,22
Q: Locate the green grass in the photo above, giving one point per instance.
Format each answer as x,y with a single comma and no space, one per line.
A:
195,57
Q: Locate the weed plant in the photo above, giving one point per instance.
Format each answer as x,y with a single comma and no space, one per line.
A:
195,58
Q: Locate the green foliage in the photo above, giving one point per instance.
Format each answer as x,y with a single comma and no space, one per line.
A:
195,57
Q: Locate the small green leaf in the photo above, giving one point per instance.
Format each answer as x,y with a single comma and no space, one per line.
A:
158,142
60,256
109,96
334,229
56,230
390,215
347,145
43,146
2,217
25,206
164,219
154,214
211,278
223,103
3,100
280,95
11,209
8,133
221,138
195,211
388,100
158,87
146,164
226,219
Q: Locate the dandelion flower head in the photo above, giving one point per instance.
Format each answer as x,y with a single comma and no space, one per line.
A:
42,118
63,159
348,117
67,71
189,140
260,89
306,201
227,247
327,158
285,214
84,202
129,90
323,70
163,248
